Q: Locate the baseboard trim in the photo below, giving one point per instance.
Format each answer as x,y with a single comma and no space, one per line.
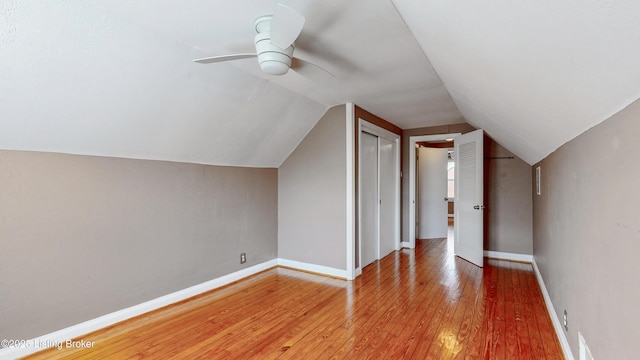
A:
564,343
76,331
406,245
508,256
313,268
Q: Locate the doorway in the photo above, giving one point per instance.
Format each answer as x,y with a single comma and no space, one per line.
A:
469,189
413,193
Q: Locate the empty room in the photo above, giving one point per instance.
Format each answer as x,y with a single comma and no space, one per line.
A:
298,179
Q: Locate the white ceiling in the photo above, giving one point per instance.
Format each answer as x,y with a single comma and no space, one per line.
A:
116,78
533,74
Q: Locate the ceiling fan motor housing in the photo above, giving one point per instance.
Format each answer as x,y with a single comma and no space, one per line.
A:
272,59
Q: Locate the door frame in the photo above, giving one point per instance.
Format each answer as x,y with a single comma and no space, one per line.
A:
378,131
411,244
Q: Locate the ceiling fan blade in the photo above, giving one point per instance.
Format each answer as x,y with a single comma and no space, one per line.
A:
310,70
222,58
286,25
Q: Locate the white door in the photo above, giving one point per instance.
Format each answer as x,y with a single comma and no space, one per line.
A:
432,190
468,225
368,198
387,160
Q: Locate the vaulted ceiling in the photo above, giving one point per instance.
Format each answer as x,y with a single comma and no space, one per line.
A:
116,78
533,74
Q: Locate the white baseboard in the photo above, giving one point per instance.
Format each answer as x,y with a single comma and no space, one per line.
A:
508,256
564,343
76,331
406,245
318,269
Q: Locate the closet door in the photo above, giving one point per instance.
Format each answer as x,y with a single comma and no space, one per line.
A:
369,198
387,188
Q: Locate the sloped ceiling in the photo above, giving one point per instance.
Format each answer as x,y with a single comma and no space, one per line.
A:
116,78
533,74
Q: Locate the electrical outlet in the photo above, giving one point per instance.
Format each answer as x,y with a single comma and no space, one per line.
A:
565,322
243,258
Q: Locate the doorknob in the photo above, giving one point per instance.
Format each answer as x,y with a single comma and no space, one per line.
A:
446,199
479,207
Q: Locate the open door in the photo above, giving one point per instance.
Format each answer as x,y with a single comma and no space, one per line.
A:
469,209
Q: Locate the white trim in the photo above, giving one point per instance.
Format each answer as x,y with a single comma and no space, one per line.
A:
88,326
508,256
412,179
564,343
351,211
359,199
398,192
318,269
406,244
376,130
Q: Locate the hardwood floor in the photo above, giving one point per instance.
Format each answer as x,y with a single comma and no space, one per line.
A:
413,304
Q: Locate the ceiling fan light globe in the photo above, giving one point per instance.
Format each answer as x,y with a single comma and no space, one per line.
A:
273,67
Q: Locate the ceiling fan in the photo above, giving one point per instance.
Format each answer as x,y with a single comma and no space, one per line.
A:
274,45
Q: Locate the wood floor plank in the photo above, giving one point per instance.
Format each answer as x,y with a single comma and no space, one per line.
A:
402,335
431,340
519,304
422,303
367,325
456,335
493,337
479,324
339,331
537,347
550,342
415,327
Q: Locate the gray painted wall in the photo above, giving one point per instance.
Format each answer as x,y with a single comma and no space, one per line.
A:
312,193
587,234
509,204
84,236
